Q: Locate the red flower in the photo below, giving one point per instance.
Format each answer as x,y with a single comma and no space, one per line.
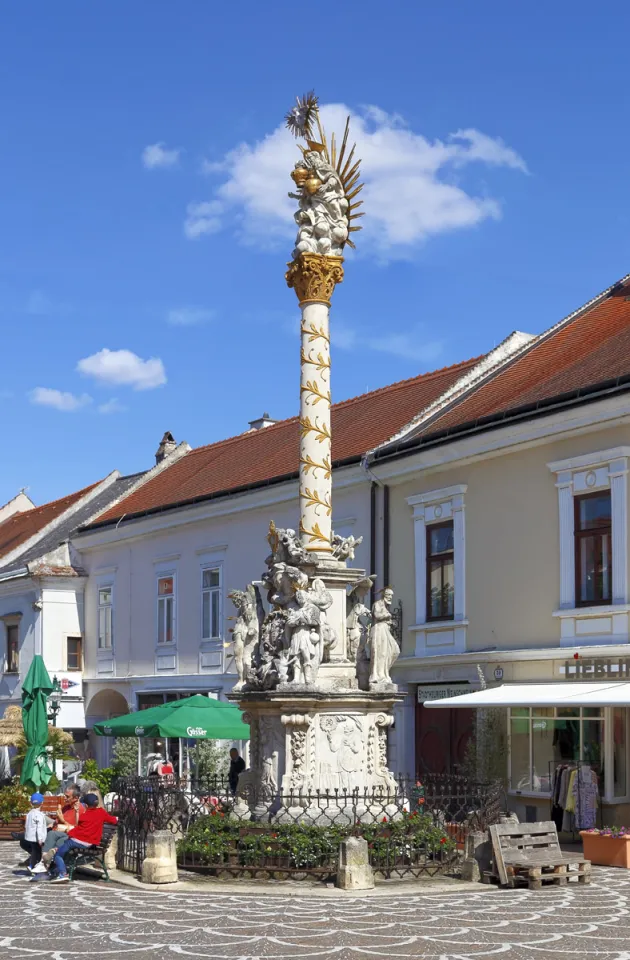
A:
213,813
221,814
420,801
443,840
274,836
418,783
384,819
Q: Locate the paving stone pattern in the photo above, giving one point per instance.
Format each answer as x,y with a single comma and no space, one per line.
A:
88,919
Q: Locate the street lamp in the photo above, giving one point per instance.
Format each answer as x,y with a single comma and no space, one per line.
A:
54,701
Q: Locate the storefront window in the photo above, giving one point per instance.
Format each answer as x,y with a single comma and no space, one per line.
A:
541,738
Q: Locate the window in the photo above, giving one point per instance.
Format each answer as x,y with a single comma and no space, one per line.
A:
543,737
12,651
105,620
74,653
211,603
166,610
593,549
440,571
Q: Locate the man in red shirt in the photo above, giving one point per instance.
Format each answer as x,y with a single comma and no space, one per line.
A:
87,833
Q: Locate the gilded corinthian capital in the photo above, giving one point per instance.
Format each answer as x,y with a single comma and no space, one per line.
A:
314,277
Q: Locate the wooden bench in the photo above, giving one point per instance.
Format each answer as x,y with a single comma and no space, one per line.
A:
530,852
94,855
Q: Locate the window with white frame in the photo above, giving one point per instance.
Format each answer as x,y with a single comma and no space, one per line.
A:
211,603
439,539
12,652
105,618
166,609
593,524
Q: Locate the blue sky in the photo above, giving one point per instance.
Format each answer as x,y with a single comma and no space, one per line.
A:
142,289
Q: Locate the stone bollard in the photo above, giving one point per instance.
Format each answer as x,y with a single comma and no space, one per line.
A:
355,872
477,856
160,863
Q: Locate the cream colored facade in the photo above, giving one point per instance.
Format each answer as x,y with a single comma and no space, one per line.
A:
509,493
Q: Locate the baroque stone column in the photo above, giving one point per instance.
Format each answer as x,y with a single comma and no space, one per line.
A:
314,277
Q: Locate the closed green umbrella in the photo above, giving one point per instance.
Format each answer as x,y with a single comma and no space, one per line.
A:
35,691
195,718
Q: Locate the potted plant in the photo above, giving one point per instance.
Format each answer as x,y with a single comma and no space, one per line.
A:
14,805
609,847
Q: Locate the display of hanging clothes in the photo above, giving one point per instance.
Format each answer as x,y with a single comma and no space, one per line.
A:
568,823
557,809
585,798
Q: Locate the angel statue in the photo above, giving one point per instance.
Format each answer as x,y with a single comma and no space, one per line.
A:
246,630
384,650
326,185
358,620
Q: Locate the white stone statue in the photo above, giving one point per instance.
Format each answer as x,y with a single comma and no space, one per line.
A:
358,617
322,217
384,649
246,632
344,547
306,628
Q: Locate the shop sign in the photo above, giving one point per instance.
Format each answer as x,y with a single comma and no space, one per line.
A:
439,691
597,668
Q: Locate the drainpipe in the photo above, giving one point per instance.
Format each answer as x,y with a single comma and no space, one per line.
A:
385,536
374,483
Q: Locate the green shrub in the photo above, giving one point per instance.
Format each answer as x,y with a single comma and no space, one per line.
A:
14,801
101,777
217,838
125,757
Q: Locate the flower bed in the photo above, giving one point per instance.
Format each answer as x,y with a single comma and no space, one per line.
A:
217,842
14,805
609,847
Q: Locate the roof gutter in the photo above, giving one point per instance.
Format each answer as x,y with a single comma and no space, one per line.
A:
530,411
14,574
403,448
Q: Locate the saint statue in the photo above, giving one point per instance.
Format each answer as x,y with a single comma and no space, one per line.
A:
384,650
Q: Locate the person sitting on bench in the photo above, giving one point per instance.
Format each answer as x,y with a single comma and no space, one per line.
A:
87,833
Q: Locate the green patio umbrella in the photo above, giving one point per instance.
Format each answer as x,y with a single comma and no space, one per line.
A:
35,691
195,718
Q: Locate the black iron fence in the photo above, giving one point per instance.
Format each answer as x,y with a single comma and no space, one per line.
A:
413,827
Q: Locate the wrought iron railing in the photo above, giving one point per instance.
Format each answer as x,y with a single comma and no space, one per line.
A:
414,827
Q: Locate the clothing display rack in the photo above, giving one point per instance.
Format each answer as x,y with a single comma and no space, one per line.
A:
575,795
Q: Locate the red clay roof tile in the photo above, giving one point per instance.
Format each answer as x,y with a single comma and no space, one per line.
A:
22,526
589,349
261,456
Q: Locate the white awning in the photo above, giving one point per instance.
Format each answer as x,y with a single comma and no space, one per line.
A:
565,694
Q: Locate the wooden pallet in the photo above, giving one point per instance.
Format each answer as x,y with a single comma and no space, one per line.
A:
530,852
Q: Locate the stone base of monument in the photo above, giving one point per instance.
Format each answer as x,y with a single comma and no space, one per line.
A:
355,872
160,863
307,745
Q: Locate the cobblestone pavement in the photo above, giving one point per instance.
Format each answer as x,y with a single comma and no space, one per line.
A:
93,919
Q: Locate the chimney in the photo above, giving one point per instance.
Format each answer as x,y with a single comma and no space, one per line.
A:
166,447
261,422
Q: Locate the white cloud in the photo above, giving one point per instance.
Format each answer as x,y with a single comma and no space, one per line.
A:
413,185
112,406
189,316
58,399
157,156
411,344
202,218
124,367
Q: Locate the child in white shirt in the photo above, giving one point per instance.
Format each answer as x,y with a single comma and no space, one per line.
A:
35,830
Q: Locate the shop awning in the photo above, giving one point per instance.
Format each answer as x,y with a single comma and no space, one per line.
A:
614,693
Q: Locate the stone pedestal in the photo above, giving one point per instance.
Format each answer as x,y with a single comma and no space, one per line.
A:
355,872
160,863
309,741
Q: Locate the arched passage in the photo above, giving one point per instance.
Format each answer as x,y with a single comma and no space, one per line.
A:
103,706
